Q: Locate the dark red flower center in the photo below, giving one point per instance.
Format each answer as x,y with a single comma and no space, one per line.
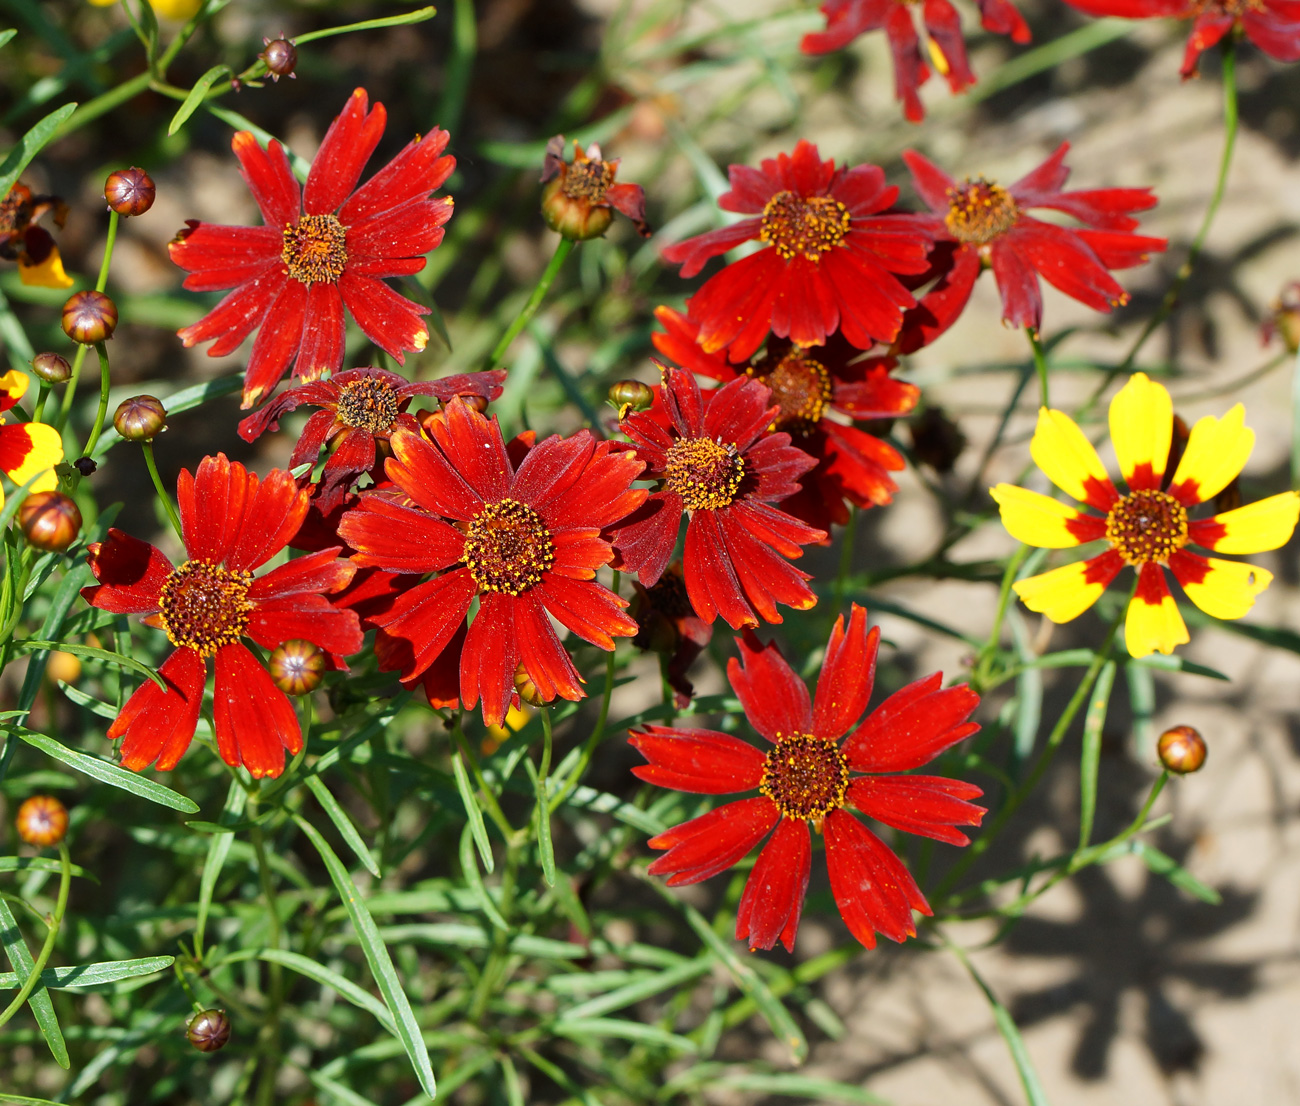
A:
368,404
806,777
1147,526
804,226
508,547
979,211
15,210
315,249
205,606
588,180
1234,8
802,388
706,474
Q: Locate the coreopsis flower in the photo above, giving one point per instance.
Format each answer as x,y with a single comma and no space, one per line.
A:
524,541
939,27
1150,527
805,778
581,196
27,449
984,225
819,391
1272,25
324,251
359,408
233,523
833,251
721,470
21,240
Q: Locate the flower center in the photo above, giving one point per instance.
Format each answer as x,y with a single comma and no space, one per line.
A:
508,547
804,226
588,180
802,388
806,777
315,249
15,210
979,210
705,473
1147,526
368,404
1234,8
205,606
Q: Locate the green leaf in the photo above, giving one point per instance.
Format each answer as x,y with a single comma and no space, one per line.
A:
1090,760
95,706
29,146
40,864
342,823
1175,873
779,1083
1029,691
6,35
381,964
218,850
329,978
106,655
196,97
627,1031
474,881
337,1091
92,975
636,991
602,802
20,957
477,828
542,815
26,1101
417,16
105,772
1007,1027
1176,663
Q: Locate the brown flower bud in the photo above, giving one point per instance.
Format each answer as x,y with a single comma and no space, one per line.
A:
89,317
50,521
297,667
51,368
130,191
279,57
42,820
526,688
631,395
1182,750
208,1031
140,418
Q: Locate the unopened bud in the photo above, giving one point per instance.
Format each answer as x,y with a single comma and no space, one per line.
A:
1284,320
85,465
477,402
130,191
1182,750
50,521
297,667
279,57
526,688
89,317
42,820
51,368
140,418
208,1031
631,395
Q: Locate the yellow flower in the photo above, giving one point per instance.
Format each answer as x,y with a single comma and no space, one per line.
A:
1150,528
26,448
179,10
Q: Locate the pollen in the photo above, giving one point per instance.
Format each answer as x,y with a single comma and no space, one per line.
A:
368,404
706,474
508,548
205,606
804,226
979,211
802,389
588,180
315,249
1147,526
806,777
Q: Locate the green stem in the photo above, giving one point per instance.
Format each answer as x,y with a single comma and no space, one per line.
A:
1040,363
41,397
34,977
70,390
163,497
981,677
113,219
102,412
534,302
490,800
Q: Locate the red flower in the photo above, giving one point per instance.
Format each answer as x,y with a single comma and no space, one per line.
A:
853,466
525,542
941,28
806,778
720,468
233,523
580,196
1272,25
987,225
360,407
667,625
835,248
323,249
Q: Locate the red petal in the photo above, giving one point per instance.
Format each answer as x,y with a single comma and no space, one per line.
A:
130,572
427,616
430,478
343,153
847,675
700,761
490,657
212,505
473,446
774,699
874,891
912,727
646,542
274,512
930,182
773,897
270,179
255,722
546,661
238,314
391,321
277,341
323,332
415,172
159,725
711,582
713,842
926,805
588,609
399,538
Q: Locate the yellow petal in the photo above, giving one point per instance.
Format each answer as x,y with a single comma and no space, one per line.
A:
1216,453
48,274
1039,520
1064,453
1064,593
175,9
1141,426
1255,528
1228,589
13,386
1153,623
29,448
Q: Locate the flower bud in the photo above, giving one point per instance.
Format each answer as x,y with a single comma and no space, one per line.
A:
140,418
42,820
50,521
297,667
208,1031
85,465
279,57
631,395
130,191
477,402
526,688
51,368
89,317
1181,750
578,218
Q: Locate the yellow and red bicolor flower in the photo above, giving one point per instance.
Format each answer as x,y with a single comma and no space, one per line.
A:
1151,527
27,449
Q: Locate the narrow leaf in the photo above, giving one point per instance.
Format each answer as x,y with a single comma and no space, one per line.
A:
329,978
40,864
637,991
474,881
20,957
342,823
106,655
545,849
1007,1027
1175,873
417,16
30,145
91,975
476,825
218,850
1090,760
627,1031
195,98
